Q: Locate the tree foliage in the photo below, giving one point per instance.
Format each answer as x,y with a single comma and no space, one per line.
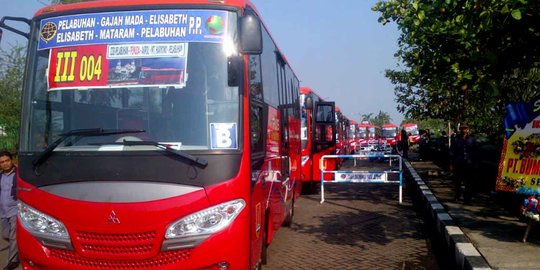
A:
381,118
464,59
11,70
367,117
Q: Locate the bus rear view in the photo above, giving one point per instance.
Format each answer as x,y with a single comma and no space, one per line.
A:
135,140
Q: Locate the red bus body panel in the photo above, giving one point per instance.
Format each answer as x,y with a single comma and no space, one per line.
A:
136,241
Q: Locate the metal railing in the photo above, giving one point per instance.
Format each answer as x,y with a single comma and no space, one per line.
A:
363,176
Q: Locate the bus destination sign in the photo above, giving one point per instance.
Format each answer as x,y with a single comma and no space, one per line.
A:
133,27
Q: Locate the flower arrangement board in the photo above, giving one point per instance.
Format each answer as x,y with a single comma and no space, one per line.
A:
519,167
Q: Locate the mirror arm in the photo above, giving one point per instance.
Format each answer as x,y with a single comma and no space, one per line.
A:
20,19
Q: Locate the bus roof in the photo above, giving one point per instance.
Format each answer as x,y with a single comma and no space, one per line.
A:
124,3
89,4
307,90
363,124
389,125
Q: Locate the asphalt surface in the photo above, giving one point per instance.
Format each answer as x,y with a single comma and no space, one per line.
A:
359,226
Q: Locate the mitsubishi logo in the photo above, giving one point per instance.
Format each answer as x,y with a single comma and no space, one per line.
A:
112,218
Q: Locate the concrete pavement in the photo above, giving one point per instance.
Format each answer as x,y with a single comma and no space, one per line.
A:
486,234
4,254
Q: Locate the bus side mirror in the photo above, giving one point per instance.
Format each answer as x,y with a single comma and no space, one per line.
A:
250,35
1,34
234,70
12,29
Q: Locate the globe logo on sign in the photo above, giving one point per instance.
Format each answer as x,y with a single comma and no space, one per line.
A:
214,25
48,31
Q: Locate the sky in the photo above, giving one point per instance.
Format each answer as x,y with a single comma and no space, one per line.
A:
337,48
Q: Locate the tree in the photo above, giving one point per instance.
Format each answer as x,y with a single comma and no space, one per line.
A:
11,77
464,59
381,118
367,117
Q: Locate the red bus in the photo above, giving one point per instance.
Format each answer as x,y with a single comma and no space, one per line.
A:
354,135
198,172
319,136
342,135
412,130
389,133
367,134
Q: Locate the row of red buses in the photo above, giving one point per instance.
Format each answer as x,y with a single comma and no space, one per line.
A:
347,133
195,169
319,136
354,135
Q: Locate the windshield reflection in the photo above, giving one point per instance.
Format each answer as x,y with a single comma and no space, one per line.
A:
188,117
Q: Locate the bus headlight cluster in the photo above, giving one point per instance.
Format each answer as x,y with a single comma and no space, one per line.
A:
39,223
207,221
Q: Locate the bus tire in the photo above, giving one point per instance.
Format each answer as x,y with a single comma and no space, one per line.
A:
290,214
309,188
264,248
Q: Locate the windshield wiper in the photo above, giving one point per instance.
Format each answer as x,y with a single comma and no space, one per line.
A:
200,162
80,133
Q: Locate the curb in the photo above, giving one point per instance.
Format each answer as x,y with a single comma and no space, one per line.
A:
457,244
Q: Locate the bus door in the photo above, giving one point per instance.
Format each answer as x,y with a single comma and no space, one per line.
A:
324,125
324,133
260,118
285,142
287,147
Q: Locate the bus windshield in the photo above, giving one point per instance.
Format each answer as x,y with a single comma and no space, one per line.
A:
389,133
111,71
413,130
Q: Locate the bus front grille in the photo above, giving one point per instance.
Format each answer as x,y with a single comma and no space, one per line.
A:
119,245
166,258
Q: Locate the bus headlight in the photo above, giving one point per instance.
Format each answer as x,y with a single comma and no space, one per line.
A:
41,224
207,221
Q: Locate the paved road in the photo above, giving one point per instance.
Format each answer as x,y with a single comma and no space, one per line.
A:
4,254
359,226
